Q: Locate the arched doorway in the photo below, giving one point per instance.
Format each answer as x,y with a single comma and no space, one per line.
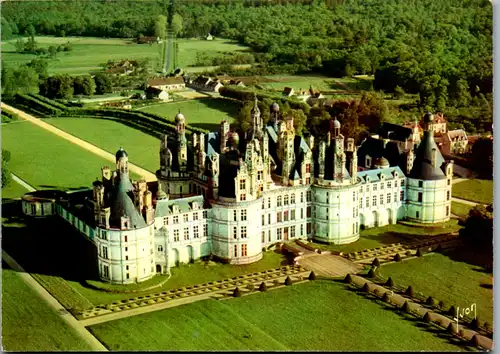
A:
362,221
390,216
175,256
190,251
375,219
158,268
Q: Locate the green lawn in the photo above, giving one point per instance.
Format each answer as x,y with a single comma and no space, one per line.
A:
47,161
109,135
460,209
452,281
319,315
205,113
189,48
13,190
302,82
476,190
29,324
383,236
88,54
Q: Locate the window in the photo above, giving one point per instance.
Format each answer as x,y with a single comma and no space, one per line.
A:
186,233
196,233
205,214
259,175
354,212
308,168
242,185
402,182
361,189
126,268
447,195
285,215
420,184
195,216
126,258
292,214
243,197
126,249
374,187
327,199
309,196
160,248
292,198
302,213
33,209
327,213
104,252
389,184
292,231
186,217
205,230
263,203
361,203
382,185
420,197
301,229
243,215
449,181
278,216
401,195
176,219
269,218
263,219
367,202
368,188
285,199
243,232
176,235
302,197
104,235
126,238
235,232
278,201
417,214
308,228
388,197
353,196
308,211
269,235
235,215
243,250
374,201
395,196
279,233
268,202
308,180
165,221
236,250
263,237
105,270
381,199
447,211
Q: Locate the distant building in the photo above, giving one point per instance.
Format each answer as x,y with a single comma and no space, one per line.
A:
209,37
156,93
453,142
440,125
167,83
148,40
288,92
203,83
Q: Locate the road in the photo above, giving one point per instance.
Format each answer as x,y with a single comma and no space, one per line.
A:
53,303
150,177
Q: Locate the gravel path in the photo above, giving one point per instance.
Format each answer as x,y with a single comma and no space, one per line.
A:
23,183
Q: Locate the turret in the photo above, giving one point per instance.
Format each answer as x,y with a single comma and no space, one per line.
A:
224,131
122,161
180,128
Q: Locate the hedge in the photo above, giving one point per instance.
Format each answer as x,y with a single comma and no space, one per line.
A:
38,105
49,101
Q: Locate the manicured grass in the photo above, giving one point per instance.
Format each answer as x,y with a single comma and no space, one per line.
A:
29,324
88,54
319,315
476,190
205,113
383,236
189,48
460,209
452,281
47,161
13,190
109,135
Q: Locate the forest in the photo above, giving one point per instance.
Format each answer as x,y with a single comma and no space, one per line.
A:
441,50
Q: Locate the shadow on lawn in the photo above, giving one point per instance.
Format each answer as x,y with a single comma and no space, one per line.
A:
63,188
47,246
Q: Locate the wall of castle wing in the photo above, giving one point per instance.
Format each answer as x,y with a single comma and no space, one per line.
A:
76,222
429,201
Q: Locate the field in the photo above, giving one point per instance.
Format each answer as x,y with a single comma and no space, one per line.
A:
88,54
299,82
189,48
446,279
202,113
13,190
476,190
110,135
383,236
460,209
319,315
29,324
47,161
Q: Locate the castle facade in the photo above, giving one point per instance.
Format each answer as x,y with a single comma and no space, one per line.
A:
230,195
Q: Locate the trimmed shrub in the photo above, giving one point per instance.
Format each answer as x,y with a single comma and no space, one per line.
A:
427,317
474,341
237,292
430,301
263,286
365,288
408,253
419,253
409,291
134,305
474,324
452,328
251,287
389,282
452,311
312,276
276,282
109,306
376,262
439,248
386,297
441,304
347,279
371,273
406,307
288,281
151,302
487,326
397,257
461,333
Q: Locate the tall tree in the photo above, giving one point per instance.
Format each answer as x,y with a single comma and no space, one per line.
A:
41,66
102,84
177,24
6,177
27,80
161,26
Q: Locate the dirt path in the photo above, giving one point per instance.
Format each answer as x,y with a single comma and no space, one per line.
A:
329,265
52,302
77,141
23,183
463,201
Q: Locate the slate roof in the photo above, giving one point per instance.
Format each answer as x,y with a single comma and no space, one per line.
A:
228,167
394,132
166,81
165,207
422,168
374,175
121,204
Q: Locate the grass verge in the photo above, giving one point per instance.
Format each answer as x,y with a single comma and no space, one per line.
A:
476,190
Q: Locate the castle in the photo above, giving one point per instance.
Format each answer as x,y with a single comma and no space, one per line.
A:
231,195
